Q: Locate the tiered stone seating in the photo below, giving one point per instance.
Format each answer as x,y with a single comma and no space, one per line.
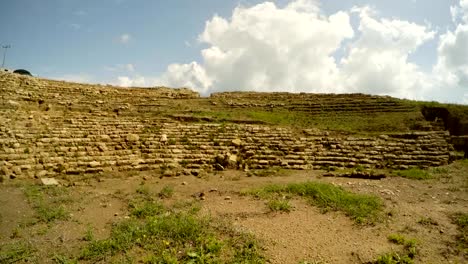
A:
38,142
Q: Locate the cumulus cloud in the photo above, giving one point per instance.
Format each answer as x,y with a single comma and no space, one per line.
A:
121,68
125,38
294,48
266,48
79,78
378,59
451,70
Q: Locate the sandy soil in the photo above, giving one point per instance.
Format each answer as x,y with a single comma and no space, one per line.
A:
304,234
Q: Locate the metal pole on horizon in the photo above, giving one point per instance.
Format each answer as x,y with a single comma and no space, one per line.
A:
4,53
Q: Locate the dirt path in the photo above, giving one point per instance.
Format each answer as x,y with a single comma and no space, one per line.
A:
304,234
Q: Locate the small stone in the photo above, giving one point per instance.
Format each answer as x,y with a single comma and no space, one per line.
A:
41,174
94,164
236,142
49,181
116,214
227,198
132,137
184,183
13,103
213,189
219,167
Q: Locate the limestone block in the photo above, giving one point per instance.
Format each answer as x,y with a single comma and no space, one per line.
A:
132,138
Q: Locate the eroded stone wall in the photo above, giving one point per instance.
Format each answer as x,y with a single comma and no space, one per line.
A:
51,128
90,144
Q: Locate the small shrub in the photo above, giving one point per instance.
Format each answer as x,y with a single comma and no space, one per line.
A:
279,205
166,192
393,258
405,257
171,141
143,209
143,189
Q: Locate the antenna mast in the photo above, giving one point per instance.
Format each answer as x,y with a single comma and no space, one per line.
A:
4,53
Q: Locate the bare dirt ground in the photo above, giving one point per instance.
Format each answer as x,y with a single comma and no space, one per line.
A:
304,234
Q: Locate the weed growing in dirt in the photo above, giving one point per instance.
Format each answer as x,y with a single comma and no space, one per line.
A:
144,208
426,221
48,202
461,220
414,174
61,259
173,236
405,257
360,207
166,192
143,189
16,252
272,171
279,205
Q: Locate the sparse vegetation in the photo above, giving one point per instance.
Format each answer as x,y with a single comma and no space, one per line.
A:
361,208
358,123
405,257
269,172
173,236
427,221
279,205
461,220
48,202
414,174
17,252
167,191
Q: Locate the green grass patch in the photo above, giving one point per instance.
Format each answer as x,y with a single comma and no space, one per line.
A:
328,120
279,205
406,256
360,207
172,235
48,202
166,192
17,252
414,174
269,172
461,220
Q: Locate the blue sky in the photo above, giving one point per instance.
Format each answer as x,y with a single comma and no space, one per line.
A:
133,43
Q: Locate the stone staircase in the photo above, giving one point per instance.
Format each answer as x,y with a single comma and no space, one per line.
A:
52,128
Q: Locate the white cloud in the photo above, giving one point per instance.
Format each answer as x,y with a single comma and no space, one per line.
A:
460,12
121,68
451,69
378,59
125,38
186,75
78,78
137,81
75,26
268,48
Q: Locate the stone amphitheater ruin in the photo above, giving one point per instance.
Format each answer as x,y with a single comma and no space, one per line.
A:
54,127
